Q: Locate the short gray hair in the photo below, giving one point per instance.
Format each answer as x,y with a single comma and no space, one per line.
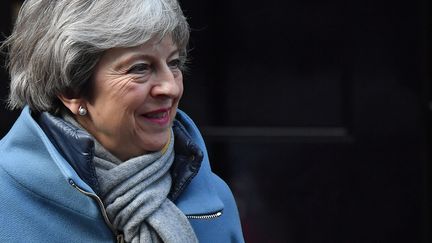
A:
55,44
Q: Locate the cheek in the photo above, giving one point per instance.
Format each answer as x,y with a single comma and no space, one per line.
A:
180,85
110,90
133,96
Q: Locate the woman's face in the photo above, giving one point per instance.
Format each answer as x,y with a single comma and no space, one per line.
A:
134,99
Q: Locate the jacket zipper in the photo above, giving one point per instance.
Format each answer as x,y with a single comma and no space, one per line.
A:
205,216
119,237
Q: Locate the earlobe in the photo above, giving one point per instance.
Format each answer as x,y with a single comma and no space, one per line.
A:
75,105
82,111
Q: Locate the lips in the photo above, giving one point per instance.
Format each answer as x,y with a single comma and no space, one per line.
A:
160,117
156,115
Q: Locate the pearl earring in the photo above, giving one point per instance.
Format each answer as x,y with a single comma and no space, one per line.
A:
82,111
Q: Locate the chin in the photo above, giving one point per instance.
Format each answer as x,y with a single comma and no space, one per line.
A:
157,144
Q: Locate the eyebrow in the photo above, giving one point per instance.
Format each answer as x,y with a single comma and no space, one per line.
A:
136,56
126,59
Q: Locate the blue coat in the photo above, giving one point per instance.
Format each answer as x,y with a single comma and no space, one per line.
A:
45,198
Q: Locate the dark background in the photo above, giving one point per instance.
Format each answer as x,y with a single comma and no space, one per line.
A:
317,113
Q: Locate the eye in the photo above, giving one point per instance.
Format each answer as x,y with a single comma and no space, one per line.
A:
140,68
175,64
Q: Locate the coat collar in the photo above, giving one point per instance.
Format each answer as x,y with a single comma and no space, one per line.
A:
202,195
74,144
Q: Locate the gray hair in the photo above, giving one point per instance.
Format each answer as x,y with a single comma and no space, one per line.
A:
55,44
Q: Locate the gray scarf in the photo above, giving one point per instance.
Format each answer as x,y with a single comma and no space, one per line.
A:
135,196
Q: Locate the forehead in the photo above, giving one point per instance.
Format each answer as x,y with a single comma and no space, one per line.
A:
155,44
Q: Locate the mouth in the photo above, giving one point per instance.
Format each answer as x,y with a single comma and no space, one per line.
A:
160,116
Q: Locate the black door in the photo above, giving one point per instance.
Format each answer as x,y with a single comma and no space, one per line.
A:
316,114
7,117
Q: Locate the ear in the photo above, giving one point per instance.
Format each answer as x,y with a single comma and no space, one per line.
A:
72,103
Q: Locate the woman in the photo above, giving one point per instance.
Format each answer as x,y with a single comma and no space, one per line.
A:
100,151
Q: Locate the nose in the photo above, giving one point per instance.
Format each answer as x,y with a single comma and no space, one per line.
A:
168,83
